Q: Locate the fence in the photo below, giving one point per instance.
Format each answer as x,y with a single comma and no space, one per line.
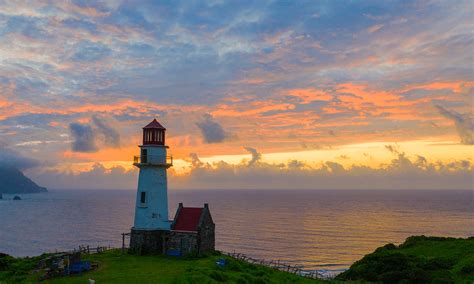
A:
124,243
90,250
278,265
295,269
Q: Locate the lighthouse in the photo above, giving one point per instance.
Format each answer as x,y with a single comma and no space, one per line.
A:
192,229
151,208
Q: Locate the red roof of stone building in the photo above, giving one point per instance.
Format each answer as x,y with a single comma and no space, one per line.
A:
154,124
187,219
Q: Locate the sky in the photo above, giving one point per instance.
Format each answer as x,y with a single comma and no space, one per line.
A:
254,94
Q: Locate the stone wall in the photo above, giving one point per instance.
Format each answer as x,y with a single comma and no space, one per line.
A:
206,234
186,242
147,242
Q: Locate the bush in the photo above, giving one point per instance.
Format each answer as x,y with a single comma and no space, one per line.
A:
468,269
4,264
415,240
442,278
438,264
386,247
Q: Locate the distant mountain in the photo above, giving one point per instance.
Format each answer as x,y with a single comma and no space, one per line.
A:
14,181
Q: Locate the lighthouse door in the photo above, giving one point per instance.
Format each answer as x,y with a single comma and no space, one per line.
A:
144,156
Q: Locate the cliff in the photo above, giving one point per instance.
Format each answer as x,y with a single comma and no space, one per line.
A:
14,181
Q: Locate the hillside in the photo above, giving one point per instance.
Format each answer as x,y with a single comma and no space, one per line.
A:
115,267
419,259
14,181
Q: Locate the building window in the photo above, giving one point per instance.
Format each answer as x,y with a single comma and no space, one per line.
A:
144,156
143,198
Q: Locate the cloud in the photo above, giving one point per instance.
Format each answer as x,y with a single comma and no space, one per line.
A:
84,138
394,149
256,156
88,51
211,130
111,135
12,159
374,28
195,161
269,72
464,124
401,173
309,95
98,177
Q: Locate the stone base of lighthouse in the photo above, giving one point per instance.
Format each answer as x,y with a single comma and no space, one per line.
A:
148,241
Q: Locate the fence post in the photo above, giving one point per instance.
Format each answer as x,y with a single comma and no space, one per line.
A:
123,243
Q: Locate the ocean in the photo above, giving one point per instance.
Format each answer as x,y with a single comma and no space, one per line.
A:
318,229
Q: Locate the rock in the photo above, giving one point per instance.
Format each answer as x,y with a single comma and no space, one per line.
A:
17,197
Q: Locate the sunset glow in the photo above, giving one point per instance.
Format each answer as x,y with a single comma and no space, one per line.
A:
283,89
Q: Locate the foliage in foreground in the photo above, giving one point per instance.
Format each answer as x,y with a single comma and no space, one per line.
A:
16,270
115,267
419,259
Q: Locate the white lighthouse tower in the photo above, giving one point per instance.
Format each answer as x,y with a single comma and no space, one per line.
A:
192,228
151,209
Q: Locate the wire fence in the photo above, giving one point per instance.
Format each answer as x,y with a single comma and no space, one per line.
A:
278,265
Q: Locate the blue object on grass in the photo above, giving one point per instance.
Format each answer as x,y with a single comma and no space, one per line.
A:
221,262
78,267
173,252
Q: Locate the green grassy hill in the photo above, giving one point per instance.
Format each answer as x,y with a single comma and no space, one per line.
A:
115,267
419,259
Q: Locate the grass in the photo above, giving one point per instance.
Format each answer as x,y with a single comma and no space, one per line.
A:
115,267
419,259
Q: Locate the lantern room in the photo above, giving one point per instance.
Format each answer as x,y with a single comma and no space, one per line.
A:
154,134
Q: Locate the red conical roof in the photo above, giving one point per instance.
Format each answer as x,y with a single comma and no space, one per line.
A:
155,125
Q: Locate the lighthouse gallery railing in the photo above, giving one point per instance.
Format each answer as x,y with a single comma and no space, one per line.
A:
160,160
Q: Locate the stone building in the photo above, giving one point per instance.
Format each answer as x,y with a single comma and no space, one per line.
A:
192,229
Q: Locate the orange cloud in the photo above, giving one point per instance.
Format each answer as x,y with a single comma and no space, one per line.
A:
455,86
374,28
309,95
251,81
119,107
255,108
85,11
361,95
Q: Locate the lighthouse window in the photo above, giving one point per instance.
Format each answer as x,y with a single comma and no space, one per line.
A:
142,197
144,156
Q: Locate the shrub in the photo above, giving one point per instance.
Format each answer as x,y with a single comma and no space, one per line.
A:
438,264
386,247
468,269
